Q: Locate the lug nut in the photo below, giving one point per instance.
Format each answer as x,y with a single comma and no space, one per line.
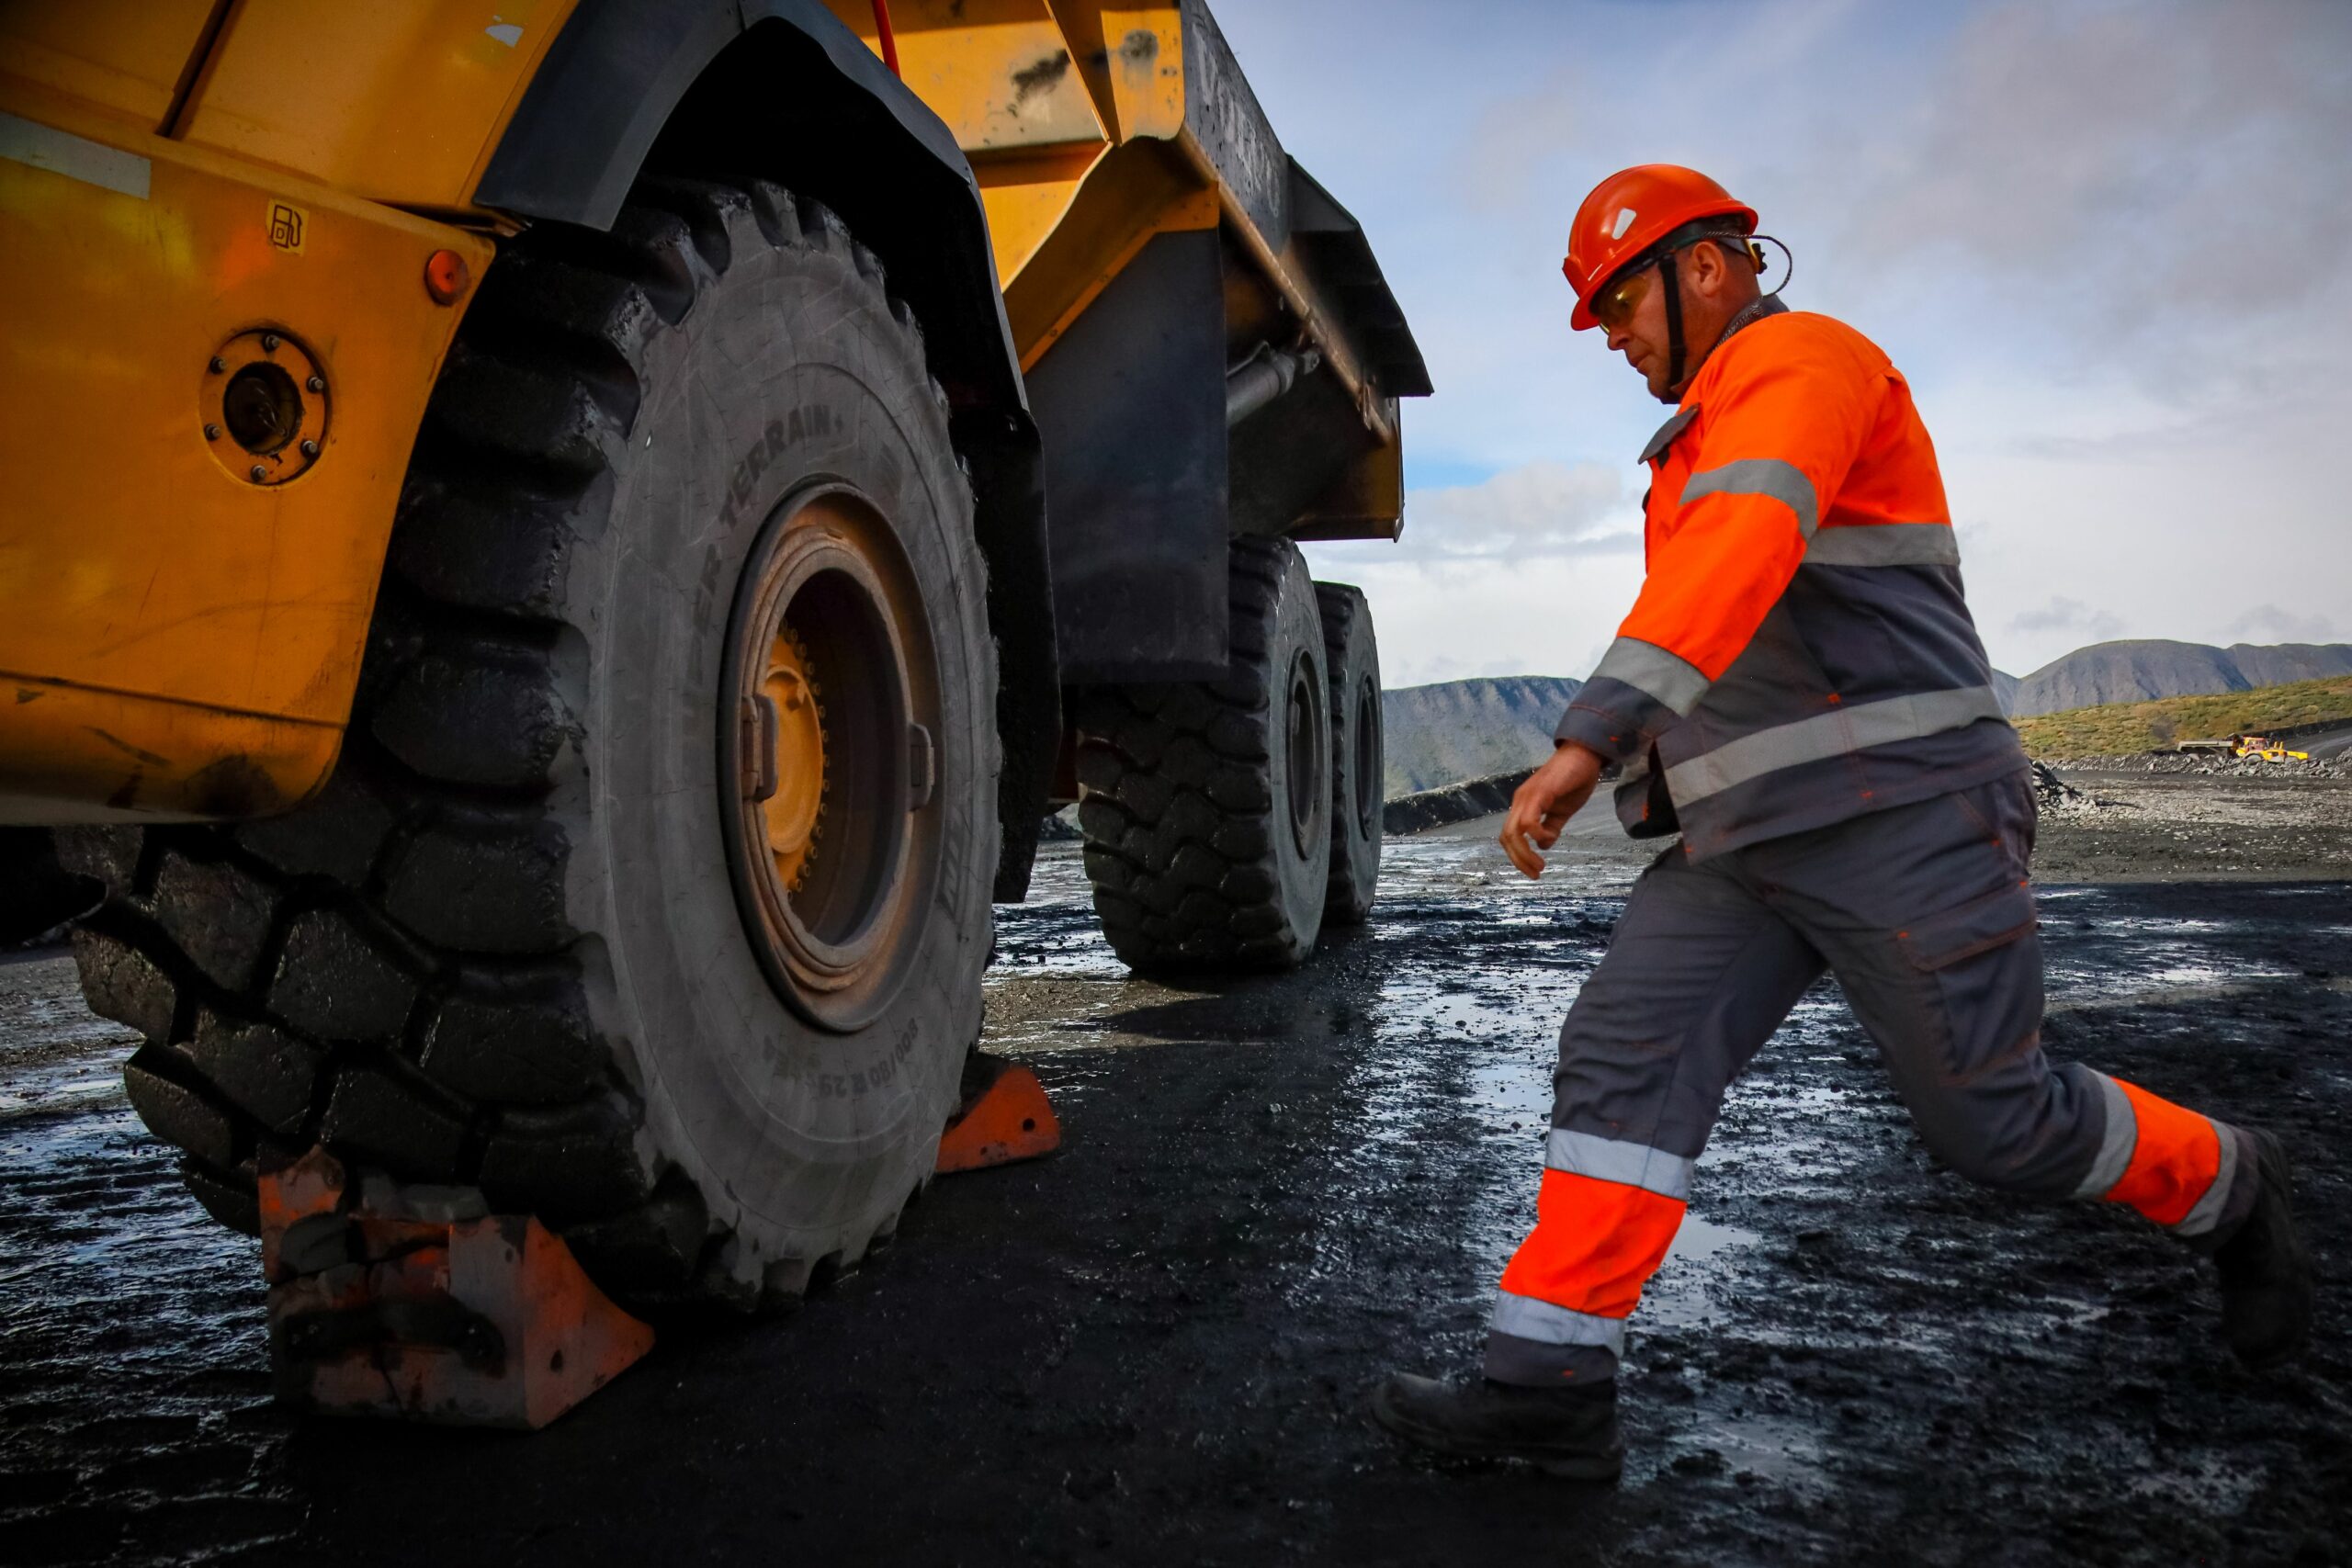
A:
217,365
316,383
257,473
212,432
270,342
310,448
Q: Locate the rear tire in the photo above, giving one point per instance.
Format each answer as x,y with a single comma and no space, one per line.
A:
1358,761
508,948
1206,806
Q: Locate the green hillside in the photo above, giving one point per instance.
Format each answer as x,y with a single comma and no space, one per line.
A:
2137,726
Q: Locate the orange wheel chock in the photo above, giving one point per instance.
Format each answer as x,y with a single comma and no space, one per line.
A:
418,1302
1004,1117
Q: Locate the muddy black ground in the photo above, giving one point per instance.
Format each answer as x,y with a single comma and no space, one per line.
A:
1153,1348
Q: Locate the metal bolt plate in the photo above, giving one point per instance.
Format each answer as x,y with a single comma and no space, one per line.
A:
263,406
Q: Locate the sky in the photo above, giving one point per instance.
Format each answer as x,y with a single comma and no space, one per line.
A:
2108,242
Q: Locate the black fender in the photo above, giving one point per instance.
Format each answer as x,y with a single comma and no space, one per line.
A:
782,90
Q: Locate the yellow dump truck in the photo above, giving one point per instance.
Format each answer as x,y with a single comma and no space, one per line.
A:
557,552
2245,745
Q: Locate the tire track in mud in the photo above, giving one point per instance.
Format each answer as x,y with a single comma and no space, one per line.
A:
1153,1348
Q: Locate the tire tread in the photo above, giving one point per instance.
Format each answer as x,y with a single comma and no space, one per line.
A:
391,969
1175,800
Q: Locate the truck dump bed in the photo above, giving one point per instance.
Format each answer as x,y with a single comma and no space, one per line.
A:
1210,345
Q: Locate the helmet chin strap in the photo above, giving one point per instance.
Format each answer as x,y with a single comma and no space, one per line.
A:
1675,346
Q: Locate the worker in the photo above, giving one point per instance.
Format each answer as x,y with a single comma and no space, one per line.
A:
1800,692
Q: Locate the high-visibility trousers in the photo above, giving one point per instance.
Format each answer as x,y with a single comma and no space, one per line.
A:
1924,914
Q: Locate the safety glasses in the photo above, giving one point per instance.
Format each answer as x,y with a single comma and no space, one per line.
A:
1614,305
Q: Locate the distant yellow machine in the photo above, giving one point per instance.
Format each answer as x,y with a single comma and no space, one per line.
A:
2246,744
556,555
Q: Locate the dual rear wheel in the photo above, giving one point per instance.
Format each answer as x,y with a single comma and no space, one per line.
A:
1227,822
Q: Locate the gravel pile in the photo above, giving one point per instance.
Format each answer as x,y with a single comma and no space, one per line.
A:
2210,764
2060,798
1455,803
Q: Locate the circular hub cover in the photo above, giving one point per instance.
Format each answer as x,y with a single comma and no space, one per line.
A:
833,696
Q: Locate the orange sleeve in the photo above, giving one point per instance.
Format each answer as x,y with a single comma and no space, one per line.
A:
1784,426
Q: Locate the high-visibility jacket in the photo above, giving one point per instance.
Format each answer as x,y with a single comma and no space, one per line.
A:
1801,652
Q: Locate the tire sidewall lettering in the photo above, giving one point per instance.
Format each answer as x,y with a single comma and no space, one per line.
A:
745,406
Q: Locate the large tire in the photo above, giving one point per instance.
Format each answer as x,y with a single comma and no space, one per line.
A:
509,946
1206,806
1358,759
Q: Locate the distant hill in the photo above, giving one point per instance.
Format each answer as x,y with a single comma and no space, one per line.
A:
2121,727
2147,669
1454,730
1439,734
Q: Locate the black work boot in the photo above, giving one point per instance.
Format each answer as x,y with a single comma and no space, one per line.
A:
2266,1270
1567,1431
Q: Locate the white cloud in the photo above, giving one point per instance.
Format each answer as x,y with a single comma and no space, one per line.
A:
2071,616
2269,623
2104,240
2141,182
1526,574
1542,510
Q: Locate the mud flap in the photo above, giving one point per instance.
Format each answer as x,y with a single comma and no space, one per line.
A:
418,1302
1004,1117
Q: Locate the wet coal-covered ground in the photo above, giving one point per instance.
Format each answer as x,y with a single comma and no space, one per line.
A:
1154,1347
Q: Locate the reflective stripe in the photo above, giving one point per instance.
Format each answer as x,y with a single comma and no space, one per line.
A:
76,157
1885,544
1628,1165
1784,482
2173,1161
2207,1212
1668,432
1827,735
1647,668
1541,1321
2115,1144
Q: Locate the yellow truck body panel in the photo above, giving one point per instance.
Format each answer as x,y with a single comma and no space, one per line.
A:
399,103
182,620
178,639
1073,115
138,559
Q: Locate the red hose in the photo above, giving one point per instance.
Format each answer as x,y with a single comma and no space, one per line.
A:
889,37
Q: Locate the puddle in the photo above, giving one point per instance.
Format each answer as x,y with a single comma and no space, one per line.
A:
1690,1287
1770,1447
55,1055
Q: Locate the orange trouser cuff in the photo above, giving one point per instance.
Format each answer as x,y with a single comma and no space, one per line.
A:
2165,1160
1595,1245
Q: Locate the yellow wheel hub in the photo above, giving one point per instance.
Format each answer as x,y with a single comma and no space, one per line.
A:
828,759
796,812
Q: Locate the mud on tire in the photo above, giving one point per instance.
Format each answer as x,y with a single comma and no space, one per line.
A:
1206,806
502,948
1358,762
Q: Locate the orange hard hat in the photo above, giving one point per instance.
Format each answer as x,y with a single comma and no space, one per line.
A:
1629,212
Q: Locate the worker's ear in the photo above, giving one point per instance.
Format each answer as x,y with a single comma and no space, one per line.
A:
1710,271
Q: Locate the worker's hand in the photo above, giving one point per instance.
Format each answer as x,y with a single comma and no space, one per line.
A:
1553,794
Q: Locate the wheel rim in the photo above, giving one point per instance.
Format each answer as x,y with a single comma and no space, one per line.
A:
795,813
834,698
1367,758
1305,750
